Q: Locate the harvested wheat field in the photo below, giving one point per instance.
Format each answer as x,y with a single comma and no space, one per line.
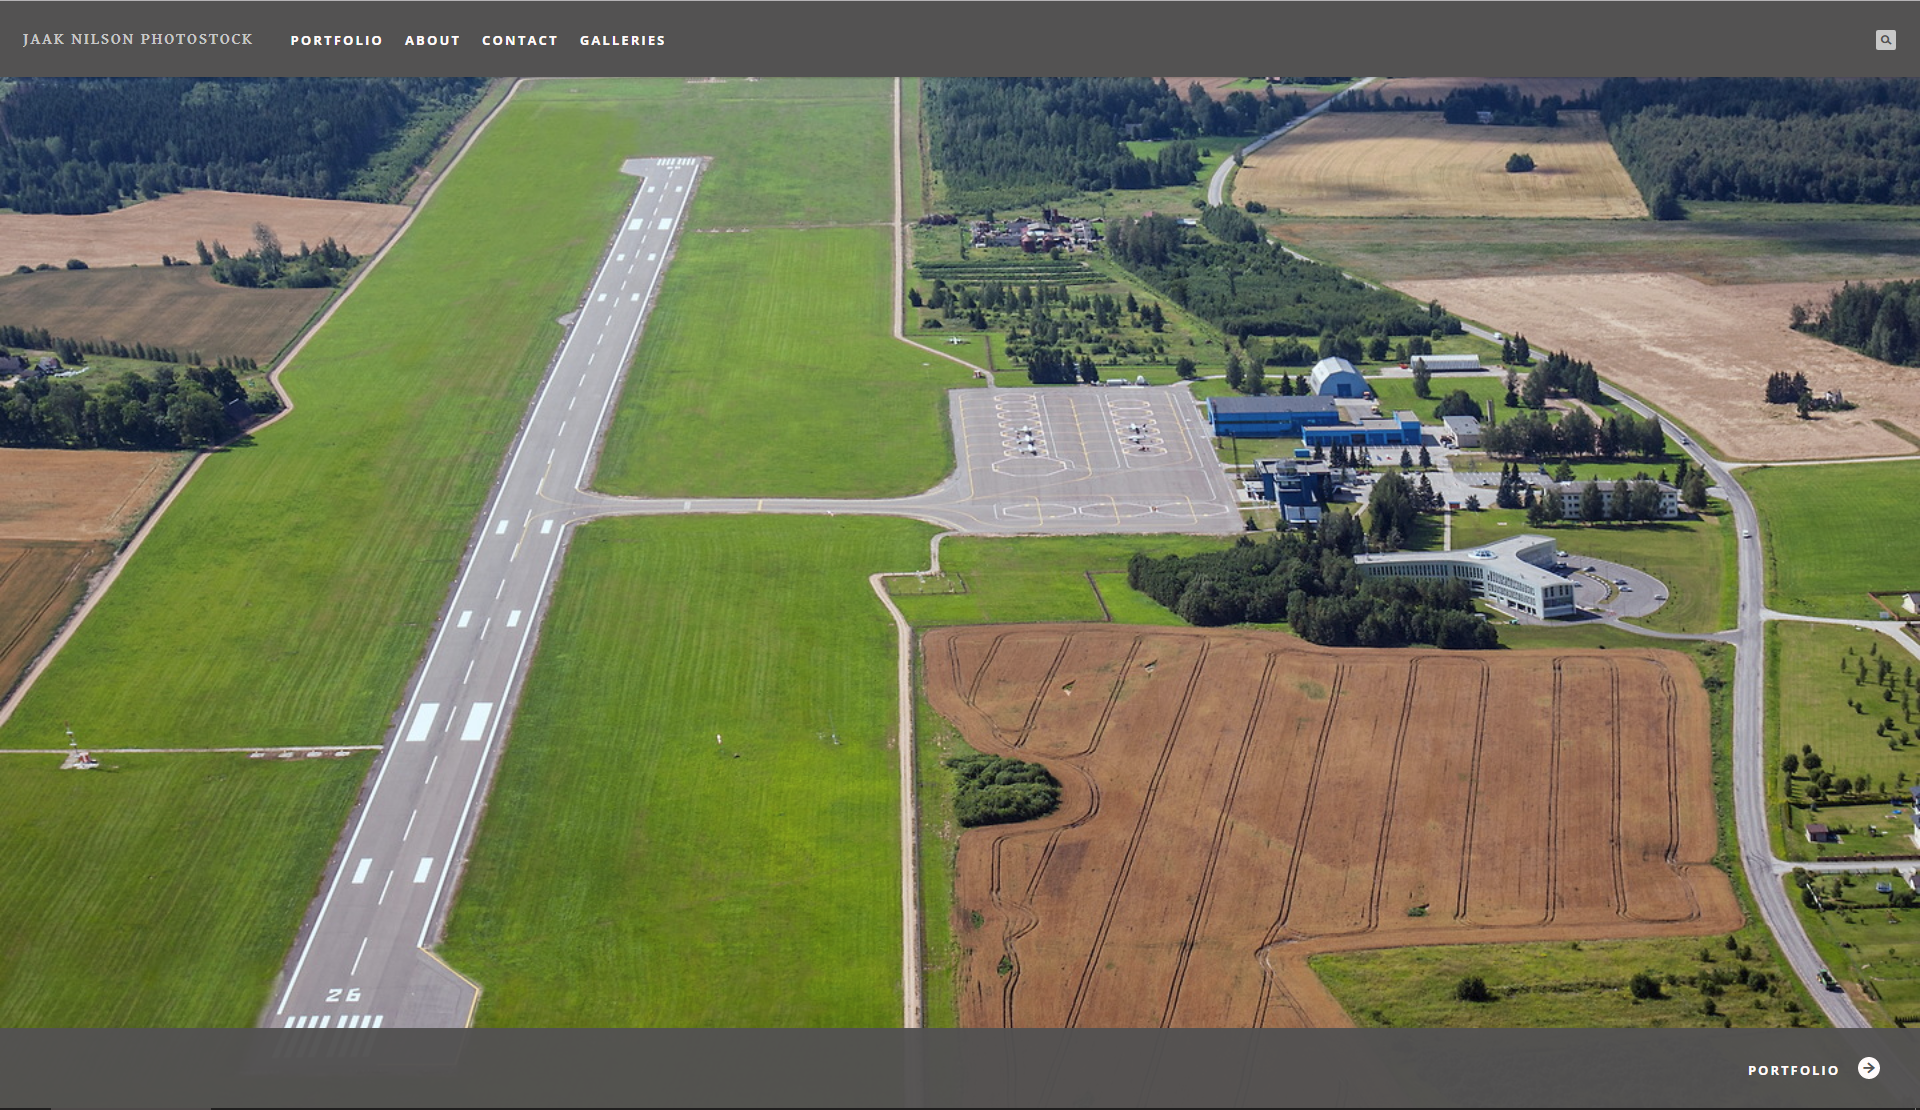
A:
139,235
61,519
1436,88
1702,352
1413,164
1236,802
181,307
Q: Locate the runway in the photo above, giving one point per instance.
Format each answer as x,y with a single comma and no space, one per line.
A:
360,960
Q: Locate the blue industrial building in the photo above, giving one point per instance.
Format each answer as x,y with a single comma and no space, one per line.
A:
1269,417
1297,491
1336,377
1402,430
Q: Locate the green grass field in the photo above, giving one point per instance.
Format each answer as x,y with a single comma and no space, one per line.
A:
1834,533
785,151
286,594
1871,947
1579,984
632,871
1693,557
1397,393
159,890
1809,692
1042,578
767,369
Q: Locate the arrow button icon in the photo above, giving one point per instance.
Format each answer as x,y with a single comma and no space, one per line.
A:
1869,1067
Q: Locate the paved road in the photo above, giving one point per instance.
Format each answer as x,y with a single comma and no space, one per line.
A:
1749,745
1217,185
360,960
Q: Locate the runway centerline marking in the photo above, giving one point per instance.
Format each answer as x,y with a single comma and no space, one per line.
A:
463,682
430,767
356,957
383,890
409,832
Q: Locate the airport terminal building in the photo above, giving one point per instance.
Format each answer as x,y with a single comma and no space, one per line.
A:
1513,573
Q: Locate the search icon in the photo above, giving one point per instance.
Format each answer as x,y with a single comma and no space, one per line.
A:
1886,40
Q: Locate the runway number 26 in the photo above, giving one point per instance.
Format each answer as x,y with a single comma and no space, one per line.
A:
352,994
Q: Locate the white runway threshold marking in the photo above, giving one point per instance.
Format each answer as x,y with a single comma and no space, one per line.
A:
425,869
422,721
476,724
513,619
546,526
633,225
665,222
466,618
360,870
601,297
501,530
636,296
651,257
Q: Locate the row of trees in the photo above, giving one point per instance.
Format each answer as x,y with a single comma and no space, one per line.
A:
75,351
161,411
81,145
1257,289
1577,435
1308,579
1508,105
1880,321
1767,138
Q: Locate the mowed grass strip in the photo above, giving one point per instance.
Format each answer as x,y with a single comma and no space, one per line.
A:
784,150
1834,533
767,370
632,871
285,596
159,890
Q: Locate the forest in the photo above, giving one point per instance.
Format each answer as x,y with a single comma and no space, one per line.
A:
1010,142
165,410
1257,288
1787,139
86,145
1506,106
1879,321
1308,579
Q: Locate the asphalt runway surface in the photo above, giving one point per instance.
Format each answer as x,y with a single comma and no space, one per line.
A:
360,960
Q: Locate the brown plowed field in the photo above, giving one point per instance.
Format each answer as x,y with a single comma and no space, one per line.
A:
61,517
1701,352
1235,802
181,307
1415,164
139,235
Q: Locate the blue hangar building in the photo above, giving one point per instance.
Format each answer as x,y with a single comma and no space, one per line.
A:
1269,417
1402,429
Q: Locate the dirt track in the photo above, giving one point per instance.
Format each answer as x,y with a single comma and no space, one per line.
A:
1237,802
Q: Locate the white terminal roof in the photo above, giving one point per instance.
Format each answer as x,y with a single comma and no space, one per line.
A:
1508,556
